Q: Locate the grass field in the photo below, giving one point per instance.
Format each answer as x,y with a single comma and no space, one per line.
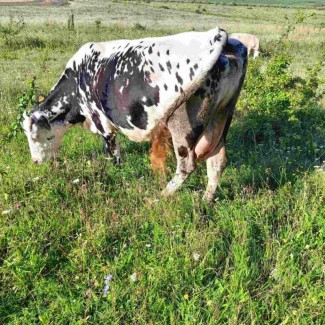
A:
256,256
282,3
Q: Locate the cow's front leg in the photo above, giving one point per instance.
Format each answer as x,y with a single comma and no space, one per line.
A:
112,149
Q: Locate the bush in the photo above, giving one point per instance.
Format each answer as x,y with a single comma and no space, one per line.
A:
272,97
275,92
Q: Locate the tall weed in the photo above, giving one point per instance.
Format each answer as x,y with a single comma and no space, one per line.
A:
25,101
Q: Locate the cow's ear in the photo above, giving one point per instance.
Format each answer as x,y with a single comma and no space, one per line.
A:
43,122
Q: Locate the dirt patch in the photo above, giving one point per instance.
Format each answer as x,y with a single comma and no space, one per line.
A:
41,2
15,1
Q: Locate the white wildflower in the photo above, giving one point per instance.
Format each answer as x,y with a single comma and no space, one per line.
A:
196,256
133,277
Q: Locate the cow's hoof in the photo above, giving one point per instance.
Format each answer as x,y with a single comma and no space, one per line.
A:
117,161
167,193
208,197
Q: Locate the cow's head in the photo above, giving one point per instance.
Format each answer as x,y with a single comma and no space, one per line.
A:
44,139
50,118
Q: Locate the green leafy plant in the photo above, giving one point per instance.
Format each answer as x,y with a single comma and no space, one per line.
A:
275,92
25,101
272,96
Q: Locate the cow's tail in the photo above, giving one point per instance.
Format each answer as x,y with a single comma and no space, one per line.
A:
160,146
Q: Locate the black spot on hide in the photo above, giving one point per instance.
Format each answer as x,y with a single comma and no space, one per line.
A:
179,79
139,116
182,151
200,92
194,135
96,119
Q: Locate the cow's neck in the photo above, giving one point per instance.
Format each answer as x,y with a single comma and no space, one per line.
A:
74,100
63,105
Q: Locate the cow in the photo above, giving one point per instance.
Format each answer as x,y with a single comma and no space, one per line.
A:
133,86
250,41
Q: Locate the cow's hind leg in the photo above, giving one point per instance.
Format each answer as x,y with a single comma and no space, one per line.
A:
216,161
185,165
112,149
184,134
215,166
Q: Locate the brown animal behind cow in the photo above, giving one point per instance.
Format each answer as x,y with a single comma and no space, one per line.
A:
250,41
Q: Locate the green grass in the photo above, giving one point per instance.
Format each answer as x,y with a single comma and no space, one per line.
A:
256,256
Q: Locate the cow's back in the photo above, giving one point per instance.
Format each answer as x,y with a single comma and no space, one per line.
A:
133,84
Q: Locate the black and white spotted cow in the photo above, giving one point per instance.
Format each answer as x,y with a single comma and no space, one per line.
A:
131,86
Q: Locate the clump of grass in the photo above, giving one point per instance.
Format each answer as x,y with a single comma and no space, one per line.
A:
98,24
138,26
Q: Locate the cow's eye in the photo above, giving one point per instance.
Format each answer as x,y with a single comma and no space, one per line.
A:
51,137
